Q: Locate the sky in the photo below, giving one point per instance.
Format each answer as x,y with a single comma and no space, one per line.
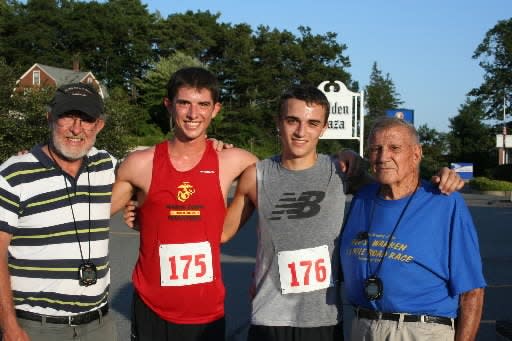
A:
426,46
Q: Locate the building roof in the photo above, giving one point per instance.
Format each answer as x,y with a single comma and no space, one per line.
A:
63,76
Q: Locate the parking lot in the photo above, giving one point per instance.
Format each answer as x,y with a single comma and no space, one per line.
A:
492,216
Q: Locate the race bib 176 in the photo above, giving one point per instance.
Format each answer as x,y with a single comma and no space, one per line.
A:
304,270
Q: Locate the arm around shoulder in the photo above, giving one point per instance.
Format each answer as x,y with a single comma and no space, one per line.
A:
448,181
237,159
122,192
356,170
131,174
243,204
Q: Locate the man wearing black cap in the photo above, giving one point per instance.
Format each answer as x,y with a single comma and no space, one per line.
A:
54,228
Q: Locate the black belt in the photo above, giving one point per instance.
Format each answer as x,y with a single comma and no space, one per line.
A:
72,320
376,315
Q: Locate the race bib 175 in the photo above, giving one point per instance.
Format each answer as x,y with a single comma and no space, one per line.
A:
185,264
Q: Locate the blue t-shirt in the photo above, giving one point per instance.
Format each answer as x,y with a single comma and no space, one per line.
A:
432,257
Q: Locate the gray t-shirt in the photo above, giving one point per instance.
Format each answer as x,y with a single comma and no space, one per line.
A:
298,210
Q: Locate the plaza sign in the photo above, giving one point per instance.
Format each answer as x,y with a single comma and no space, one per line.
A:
346,116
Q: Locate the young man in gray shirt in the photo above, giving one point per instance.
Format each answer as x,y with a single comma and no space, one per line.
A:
300,197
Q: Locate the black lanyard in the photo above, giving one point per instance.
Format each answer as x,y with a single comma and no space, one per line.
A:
375,273
71,204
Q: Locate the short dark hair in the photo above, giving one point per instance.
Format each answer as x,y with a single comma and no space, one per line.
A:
194,77
308,94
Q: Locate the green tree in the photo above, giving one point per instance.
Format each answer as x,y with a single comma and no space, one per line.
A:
121,116
23,122
470,140
434,146
121,43
194,34
276,58
8,75
126,51
87,37
235,51
113,38
22,119
32,29
380,93
495,57
6,28
321,58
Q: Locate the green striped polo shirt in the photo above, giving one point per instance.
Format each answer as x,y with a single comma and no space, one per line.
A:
56,221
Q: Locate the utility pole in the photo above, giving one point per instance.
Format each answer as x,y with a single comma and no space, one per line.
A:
505,161
502,159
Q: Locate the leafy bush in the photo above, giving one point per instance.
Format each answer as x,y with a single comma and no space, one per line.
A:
23,123
486,184
503,172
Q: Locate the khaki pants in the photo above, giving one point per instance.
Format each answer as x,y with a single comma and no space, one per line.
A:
383,330
103,329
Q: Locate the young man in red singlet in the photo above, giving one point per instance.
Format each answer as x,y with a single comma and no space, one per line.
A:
182,187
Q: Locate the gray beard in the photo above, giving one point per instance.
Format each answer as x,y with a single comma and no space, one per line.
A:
64,155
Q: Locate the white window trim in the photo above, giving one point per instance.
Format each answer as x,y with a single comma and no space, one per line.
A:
38,77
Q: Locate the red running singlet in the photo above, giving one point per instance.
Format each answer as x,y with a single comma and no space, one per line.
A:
178,273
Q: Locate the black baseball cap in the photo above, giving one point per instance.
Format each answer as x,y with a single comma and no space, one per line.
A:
77,97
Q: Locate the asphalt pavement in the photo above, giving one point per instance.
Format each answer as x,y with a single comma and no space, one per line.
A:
492,216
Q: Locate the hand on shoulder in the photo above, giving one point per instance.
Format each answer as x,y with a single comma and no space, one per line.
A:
219,145
448,181
237,156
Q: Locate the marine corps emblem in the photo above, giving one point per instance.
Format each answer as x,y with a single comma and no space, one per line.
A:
185,191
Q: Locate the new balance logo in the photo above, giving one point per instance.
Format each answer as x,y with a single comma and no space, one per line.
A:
304,206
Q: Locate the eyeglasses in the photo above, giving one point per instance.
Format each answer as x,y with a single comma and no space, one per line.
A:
86,122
